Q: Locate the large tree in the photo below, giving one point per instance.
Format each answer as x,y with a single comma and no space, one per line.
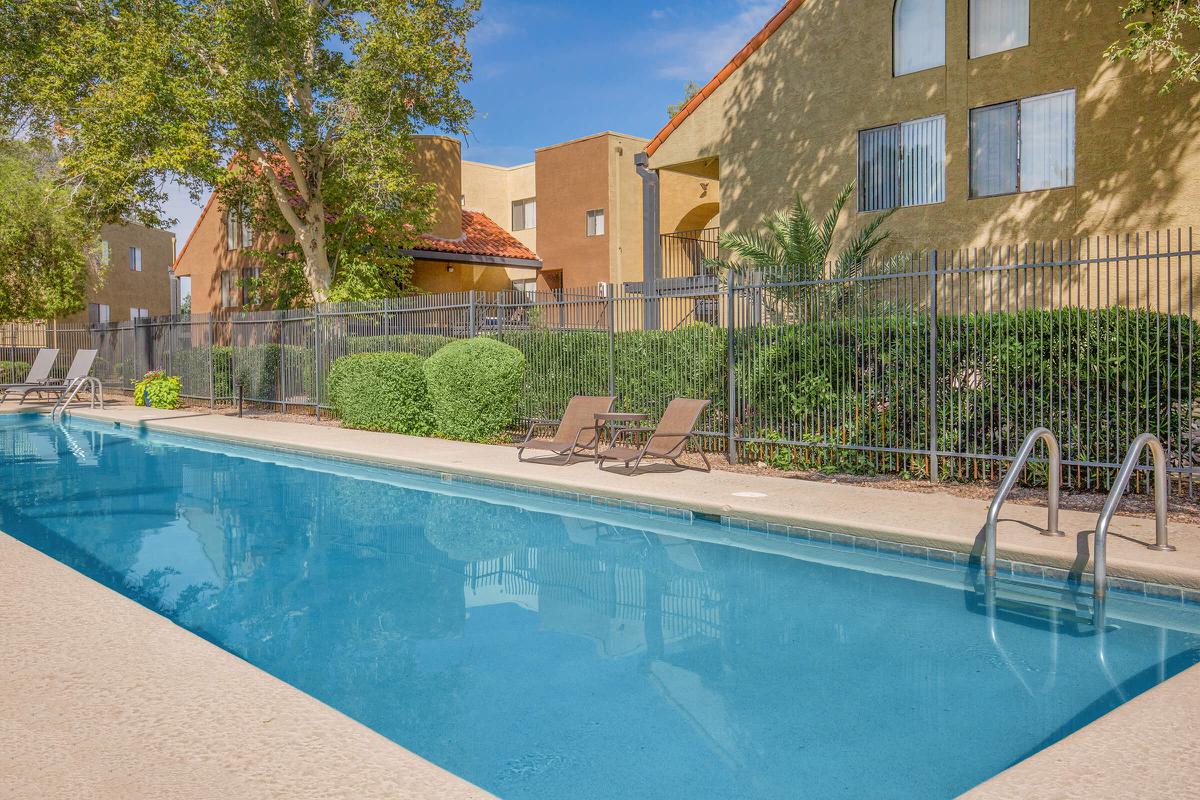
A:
302,109
1164,31
46,243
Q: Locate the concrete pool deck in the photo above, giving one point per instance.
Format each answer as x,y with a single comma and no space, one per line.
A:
152,710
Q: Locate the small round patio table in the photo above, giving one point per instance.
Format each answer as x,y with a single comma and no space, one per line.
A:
605,422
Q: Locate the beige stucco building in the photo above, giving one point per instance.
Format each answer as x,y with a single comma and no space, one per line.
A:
133,278
983,121
578,205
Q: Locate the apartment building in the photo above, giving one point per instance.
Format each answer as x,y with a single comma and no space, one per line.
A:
578,205
463,250
980,121
135,279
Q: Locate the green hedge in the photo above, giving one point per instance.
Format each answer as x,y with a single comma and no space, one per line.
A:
1095,378
474,385
13,371
381,392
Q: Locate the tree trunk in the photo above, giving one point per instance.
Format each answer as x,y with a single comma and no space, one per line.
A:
316,260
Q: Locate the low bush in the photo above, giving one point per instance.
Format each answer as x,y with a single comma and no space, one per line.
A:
13,371
157,389
474,386
381,392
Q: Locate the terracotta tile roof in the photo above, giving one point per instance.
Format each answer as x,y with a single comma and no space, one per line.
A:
481,237
750,49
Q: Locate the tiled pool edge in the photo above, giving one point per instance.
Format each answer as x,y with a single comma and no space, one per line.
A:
897,546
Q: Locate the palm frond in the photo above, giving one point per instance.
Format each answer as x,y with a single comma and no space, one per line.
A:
829,225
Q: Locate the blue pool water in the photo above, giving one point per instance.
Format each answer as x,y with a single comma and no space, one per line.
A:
546,649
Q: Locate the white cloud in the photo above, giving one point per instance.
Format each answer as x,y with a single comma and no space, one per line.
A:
691,51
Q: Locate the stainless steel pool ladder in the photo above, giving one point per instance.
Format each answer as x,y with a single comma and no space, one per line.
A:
1120,485
95,391
1010,480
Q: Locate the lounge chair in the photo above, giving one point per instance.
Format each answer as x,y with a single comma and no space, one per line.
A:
39,373
81,367
576,432
668,440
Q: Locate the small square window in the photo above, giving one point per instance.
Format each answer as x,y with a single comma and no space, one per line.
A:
595,222
524,214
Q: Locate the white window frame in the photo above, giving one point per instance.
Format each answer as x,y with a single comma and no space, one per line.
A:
101,314
527,209
228,287
105,253
595,223
231,230
973,20
1019,104
246,230
934,63
899,189
138,313
135,259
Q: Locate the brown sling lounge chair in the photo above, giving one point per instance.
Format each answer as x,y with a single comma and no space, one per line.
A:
577,430
669,440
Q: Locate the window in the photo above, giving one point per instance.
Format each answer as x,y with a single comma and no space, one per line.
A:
524,214
247,231
526,287
138,313
227,287
1023,146
595,222
902,165
105,253
135,259
97,314
918,35
231,230
998,25
250,289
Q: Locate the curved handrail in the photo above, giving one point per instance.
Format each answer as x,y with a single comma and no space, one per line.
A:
1159,455
1010,480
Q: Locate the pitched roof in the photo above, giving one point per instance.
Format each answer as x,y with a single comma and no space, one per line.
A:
750,49
483,241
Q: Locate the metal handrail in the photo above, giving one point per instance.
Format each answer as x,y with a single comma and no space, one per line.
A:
1159,455
95,390
1010,480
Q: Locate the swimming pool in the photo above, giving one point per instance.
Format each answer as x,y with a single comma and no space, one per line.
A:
543,648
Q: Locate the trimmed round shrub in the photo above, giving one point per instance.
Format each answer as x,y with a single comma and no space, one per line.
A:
381,392
473,387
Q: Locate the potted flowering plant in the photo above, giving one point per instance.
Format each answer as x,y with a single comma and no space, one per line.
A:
156,389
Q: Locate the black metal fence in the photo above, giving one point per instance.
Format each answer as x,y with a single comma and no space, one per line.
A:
931,365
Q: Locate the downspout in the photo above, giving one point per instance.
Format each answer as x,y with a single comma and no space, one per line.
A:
651,252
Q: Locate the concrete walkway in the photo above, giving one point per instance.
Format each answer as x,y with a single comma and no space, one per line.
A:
104,699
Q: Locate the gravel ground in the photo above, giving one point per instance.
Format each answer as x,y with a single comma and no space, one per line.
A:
1182,510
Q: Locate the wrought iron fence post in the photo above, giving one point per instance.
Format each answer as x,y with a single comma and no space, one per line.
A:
317,359
612,346
471,314
934,472
731,378
282,367
212,367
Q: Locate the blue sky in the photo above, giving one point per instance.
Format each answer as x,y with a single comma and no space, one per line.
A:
547,71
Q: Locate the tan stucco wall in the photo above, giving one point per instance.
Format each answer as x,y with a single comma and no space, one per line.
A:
445,276
787,121
438,161
493,190
573,178
119,287
205,256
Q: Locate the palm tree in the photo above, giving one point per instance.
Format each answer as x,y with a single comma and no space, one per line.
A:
794,251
